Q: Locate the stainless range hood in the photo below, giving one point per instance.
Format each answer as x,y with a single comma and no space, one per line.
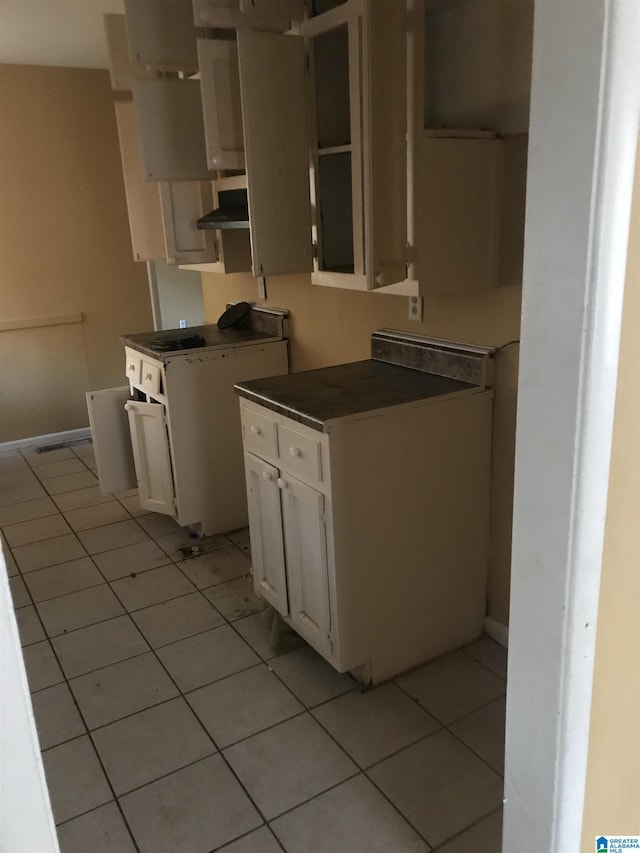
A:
232,213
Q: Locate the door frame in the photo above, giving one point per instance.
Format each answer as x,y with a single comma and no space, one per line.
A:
583,137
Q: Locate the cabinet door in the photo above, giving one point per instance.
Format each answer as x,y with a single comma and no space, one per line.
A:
305,544
150,440
358,64
384,99
183,203
121,68
143,199
162,34
274,117
111,439
169,113
228,14
220,90
265,526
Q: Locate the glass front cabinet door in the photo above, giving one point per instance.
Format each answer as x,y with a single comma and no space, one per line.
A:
325,132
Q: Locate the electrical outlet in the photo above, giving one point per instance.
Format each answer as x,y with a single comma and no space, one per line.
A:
183,324
415,308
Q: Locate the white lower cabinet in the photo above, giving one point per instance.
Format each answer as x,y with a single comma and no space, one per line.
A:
289,549
174,431
371,538
267,539
150,442
305,547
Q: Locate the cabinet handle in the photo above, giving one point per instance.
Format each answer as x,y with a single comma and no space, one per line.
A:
132,367
295,451
266,475
282,483
148,376
255,430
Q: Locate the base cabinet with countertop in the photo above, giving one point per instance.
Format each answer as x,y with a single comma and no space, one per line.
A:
174,431
368,493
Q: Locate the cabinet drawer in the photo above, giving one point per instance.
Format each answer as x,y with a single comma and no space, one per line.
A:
259,433
150,380
299,453
134,367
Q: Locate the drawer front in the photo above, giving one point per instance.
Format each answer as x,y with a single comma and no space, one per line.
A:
300,454
150,381
259,433
133,367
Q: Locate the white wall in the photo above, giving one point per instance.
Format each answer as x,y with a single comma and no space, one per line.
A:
582,144
26,821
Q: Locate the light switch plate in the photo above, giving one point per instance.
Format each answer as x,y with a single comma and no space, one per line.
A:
416,304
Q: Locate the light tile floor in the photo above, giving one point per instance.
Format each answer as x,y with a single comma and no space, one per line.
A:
169,725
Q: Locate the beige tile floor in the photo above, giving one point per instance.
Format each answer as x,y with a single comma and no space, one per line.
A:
167,722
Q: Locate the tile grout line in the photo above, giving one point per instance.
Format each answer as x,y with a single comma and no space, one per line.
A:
228,844
87,733
307,709
446,726
482,663
466,829
87,730
207,733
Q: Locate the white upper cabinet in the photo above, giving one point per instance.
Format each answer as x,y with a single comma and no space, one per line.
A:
231,14
325,130
143,199
162,34
222,113
121,69
358,88
383,92
169,113
274,113
183,203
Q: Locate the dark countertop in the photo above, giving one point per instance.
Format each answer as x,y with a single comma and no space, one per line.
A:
315,397
215,339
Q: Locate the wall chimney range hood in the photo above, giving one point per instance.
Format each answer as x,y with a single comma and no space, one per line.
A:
233,212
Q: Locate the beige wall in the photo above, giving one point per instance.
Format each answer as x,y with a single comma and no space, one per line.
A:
612,803
330,326
64,247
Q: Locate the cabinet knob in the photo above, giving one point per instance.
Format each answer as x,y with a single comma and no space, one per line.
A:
132,367
255,430
148,376
267,475
295,451
282,483
128,407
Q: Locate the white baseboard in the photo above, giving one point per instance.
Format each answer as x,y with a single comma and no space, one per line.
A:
44,440
497,631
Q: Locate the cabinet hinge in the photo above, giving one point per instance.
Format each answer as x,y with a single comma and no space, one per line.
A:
314,249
